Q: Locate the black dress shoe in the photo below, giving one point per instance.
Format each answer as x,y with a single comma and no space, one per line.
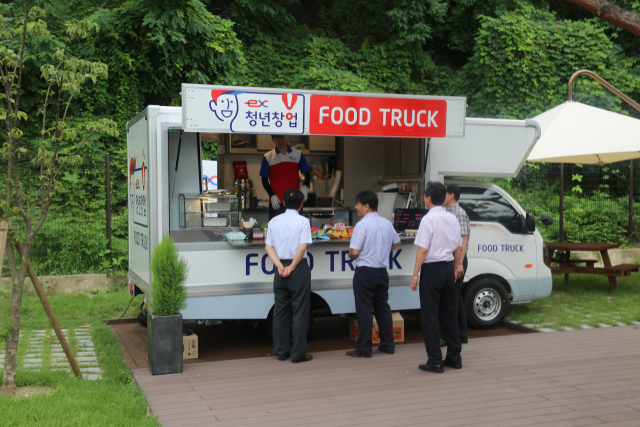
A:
356,353
443,342
384,350
283,357
431,368
450,364
306,358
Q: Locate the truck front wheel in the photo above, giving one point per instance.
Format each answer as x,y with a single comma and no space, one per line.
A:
486,303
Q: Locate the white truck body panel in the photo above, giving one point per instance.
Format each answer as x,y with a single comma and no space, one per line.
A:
234,283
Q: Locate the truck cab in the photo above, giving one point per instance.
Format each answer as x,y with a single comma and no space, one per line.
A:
505,255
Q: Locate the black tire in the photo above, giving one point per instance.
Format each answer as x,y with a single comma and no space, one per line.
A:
142,317
486,303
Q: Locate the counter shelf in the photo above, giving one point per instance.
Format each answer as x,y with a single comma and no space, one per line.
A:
247,244
214,210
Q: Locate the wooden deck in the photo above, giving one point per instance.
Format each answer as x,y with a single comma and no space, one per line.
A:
560,379
237,340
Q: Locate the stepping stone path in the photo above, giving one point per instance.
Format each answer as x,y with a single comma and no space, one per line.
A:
84,353
539,328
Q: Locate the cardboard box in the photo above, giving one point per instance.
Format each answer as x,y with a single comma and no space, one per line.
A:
189,345
398,329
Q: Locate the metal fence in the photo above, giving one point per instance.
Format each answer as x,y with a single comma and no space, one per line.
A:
596,203
86,229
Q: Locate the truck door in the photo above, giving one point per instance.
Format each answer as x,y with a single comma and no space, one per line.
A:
499,243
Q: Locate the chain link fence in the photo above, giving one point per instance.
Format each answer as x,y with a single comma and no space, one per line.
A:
595,203
74,237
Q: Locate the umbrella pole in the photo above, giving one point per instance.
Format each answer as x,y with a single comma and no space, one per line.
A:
630,201
561,202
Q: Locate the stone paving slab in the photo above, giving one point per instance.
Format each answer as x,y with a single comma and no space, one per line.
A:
56,360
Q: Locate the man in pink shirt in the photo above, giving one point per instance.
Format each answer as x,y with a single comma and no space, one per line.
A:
438,240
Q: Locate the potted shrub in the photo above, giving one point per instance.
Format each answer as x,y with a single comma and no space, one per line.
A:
168,298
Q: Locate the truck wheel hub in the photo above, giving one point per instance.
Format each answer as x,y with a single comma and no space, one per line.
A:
487,304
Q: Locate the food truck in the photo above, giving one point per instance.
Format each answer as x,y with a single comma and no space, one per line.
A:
387,143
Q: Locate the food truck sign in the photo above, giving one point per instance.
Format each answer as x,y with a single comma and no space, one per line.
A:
226,109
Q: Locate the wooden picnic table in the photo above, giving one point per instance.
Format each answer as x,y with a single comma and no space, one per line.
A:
566,265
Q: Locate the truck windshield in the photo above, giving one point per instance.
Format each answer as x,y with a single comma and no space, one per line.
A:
482,204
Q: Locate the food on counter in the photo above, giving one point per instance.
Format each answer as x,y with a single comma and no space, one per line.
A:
235,236
322,235
339,225
314,231
350,231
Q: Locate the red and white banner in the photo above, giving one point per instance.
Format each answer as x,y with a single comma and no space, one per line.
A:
226,109
369,116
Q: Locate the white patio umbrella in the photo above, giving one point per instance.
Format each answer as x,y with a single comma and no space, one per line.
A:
574,132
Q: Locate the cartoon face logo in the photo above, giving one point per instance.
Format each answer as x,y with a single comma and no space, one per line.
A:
224,104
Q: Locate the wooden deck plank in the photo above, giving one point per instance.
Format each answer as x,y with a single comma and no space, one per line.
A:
561,379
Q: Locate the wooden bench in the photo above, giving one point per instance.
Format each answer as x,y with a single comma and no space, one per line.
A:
567,266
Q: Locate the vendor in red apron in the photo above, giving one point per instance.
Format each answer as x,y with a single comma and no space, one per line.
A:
279,172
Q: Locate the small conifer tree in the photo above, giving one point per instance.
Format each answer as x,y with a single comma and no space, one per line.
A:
168,292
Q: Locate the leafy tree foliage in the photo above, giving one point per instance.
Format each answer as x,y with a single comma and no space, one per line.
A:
523,61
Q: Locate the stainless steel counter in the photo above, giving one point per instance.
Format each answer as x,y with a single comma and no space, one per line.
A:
247,244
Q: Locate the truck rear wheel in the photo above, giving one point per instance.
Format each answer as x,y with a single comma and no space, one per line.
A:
486,303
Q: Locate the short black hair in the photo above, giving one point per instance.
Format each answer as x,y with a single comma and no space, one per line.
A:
455,190
277,136
436,191
368,198
292,198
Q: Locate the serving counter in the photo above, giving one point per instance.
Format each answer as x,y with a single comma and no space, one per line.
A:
247,243
204,235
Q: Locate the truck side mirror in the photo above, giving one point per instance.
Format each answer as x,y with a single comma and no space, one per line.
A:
546,220
531,223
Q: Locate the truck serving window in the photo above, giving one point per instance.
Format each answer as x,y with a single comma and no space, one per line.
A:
482,204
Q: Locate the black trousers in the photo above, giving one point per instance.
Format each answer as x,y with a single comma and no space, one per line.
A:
438,307
462,316
371,292
292,305
275,212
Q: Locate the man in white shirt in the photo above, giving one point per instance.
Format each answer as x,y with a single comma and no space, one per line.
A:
438,239
372,240
286,245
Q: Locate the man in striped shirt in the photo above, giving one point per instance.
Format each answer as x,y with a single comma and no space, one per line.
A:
372,240
452,206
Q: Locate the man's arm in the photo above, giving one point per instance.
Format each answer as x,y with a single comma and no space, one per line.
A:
302,247
393,248
271,251
267,186
420,256
458,256
353,253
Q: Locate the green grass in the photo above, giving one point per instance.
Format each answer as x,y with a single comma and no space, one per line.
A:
584,300
113,401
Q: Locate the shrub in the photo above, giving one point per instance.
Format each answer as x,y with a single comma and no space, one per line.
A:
168,292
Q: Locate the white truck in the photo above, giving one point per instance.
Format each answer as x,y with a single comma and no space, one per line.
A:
233,279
